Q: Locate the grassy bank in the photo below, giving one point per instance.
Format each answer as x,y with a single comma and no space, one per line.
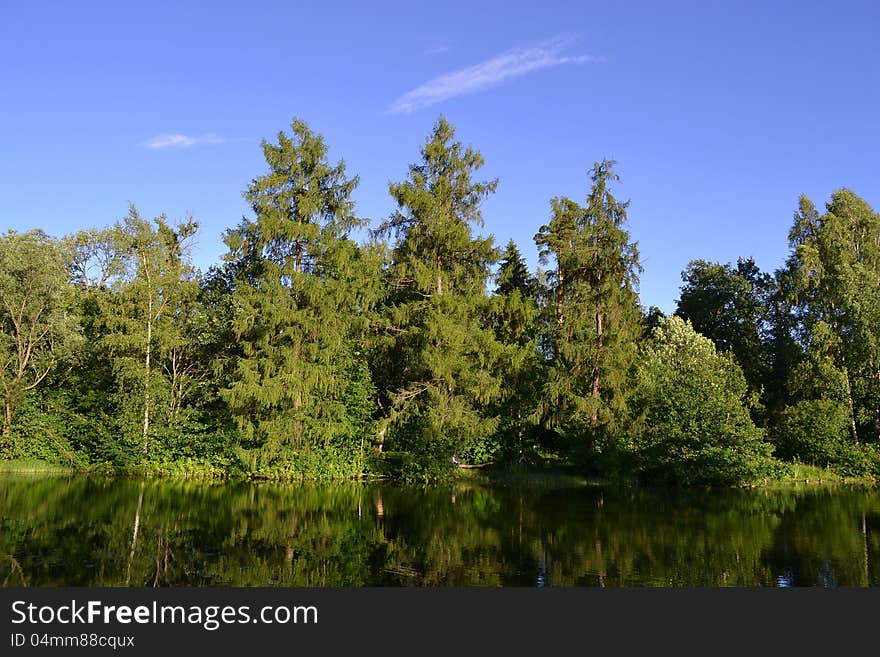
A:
34,467
567,476
555,475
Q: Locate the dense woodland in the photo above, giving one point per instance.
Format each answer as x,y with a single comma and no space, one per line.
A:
309,354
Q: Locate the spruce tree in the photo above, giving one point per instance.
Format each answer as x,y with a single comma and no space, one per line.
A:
594,312
515,320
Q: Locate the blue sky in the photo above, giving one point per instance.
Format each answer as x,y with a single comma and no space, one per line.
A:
719,114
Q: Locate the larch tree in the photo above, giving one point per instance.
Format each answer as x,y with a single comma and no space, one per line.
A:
300,287
440,356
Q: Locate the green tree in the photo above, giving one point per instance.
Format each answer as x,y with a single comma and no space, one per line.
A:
37,325
146,323
301,287
439,355
835,268
595,312
730,306
692,416
515,316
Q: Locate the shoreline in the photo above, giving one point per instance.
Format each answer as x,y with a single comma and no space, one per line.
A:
558,476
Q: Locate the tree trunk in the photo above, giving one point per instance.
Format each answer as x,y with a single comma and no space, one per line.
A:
560,295
595,415
380,440
852,410
438,263
560,310
7,418
147,382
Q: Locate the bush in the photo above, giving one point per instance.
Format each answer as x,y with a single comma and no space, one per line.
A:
812,431
692,413
857,460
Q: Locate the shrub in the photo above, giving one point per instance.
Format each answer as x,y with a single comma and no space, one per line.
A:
692,413
812,431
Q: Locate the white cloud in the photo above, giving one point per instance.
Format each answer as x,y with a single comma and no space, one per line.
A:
167,141
506,66
436,49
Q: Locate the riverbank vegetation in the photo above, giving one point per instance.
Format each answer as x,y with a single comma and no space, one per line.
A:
308,354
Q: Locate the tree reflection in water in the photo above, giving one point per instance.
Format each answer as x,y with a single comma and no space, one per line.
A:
111,532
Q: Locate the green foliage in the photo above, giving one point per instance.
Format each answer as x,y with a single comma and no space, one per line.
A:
835,269
300,288
148,329
692,407
812,431
310,355
729,305
514,317
40,433
37,323
592,312
438,358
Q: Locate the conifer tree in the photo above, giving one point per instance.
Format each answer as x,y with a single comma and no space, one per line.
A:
299,283
440,356
515,319
595,311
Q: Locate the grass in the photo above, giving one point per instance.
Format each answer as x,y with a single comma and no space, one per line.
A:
801,473
567,476
33,466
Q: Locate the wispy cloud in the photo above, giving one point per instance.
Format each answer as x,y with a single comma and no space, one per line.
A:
173,140
506,66
436,49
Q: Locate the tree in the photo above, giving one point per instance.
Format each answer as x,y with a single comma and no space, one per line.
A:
596,316
36,322
146,321
515,315
691,410
439,355
300,288
730,306
835,269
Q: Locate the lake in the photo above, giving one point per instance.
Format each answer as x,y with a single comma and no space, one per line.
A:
93,531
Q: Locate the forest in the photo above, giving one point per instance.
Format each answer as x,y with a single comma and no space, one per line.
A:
307,354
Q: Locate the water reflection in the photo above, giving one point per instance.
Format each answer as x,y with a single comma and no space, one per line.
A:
106,532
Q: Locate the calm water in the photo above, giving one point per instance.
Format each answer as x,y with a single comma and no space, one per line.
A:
113,532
